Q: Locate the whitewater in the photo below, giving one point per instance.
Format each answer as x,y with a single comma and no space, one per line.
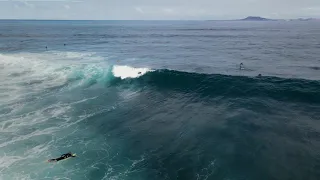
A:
29,78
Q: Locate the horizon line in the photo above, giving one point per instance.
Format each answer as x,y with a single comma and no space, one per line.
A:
240,19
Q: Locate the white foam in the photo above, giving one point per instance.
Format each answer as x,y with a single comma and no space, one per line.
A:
47,131
30,132
7,161
35,69
129,72
46,63
46,70
76,55
39,149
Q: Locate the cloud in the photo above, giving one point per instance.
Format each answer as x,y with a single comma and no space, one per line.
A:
35,1
156,9
312,9
139,9
23,4
27,4
66,6
168,11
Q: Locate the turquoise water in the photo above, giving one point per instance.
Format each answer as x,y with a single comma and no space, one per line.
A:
159,100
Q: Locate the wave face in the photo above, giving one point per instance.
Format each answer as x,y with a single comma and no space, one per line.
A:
235,86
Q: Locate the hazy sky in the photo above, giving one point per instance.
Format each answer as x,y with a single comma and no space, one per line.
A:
157,9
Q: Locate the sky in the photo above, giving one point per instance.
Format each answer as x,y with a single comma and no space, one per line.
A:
157,9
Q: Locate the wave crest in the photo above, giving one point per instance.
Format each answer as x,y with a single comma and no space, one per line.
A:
124,72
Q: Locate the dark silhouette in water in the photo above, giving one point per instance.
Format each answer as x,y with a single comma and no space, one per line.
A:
315,68
62,157
46,48
241,66
64,44
259,75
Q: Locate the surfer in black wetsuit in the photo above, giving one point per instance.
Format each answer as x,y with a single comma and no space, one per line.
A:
241,66
63,156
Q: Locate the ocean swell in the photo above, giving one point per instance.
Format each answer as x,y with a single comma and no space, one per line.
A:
215,85
27,73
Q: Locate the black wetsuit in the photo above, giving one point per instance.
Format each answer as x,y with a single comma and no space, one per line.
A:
63,156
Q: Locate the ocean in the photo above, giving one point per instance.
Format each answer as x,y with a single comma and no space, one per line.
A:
160,100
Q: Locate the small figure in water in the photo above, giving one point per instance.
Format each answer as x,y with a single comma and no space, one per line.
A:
139,72
63,156
46,48
64,44
241,66
259,75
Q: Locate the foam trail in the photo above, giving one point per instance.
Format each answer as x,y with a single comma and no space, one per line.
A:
7,161
125,72
24,74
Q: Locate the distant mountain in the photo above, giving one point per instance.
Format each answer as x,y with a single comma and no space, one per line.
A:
255,18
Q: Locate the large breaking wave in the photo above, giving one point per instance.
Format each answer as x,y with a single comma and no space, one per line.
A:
26,73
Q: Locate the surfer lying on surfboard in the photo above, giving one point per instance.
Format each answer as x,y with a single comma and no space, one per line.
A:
62,157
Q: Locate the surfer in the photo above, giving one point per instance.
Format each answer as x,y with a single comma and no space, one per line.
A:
241,66
63,156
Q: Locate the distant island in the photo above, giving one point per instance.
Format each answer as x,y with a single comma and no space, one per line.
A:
255,18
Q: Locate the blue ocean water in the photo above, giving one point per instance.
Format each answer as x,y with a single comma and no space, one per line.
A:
160,100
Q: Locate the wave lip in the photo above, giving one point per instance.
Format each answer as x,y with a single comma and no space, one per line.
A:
125,72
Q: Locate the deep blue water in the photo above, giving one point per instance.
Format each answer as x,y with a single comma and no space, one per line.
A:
160,100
